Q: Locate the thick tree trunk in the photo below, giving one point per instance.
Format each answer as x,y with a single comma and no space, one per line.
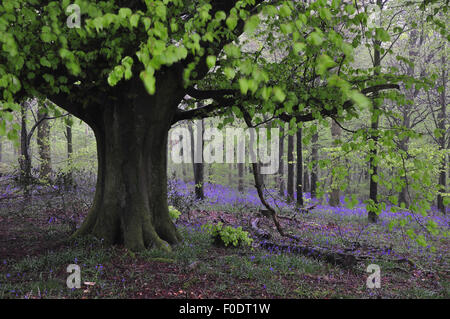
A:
130,204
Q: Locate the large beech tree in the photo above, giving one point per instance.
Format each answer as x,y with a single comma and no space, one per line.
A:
127,69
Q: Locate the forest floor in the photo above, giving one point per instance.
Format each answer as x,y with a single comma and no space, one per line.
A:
35,253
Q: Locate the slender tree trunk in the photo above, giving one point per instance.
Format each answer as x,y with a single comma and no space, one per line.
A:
183,165
69,151
24,158
43,141
314,159
442,117
15,150
412,93
241,177
306,187
290,177
402,195
335,193
373,170
299,168
198,165
130,204
281,169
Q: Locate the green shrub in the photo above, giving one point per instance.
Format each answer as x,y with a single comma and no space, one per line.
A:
174,213
226,235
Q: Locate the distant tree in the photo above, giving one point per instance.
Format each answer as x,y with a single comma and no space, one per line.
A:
281,183
306,186
299,184
198,166
25,157
314,160
443,121
335,193
43,141
291,166
69,141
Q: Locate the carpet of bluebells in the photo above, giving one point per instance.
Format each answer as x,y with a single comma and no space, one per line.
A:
34,251
347,225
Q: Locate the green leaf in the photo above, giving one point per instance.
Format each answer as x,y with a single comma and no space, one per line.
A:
382,35
325,14
220,15
359,99
324,62
211,61
125,13
229,73
149,81
299,46
285,10
266,92
161,12
232,51
231,22
251,24
243,85
134,20
350,9
315,38
279,94
45,62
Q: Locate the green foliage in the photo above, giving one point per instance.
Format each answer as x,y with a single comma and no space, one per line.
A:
174,213
227,235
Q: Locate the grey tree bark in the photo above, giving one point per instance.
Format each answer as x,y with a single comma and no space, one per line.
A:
335,193
43,141
314,159
290,174
299,185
